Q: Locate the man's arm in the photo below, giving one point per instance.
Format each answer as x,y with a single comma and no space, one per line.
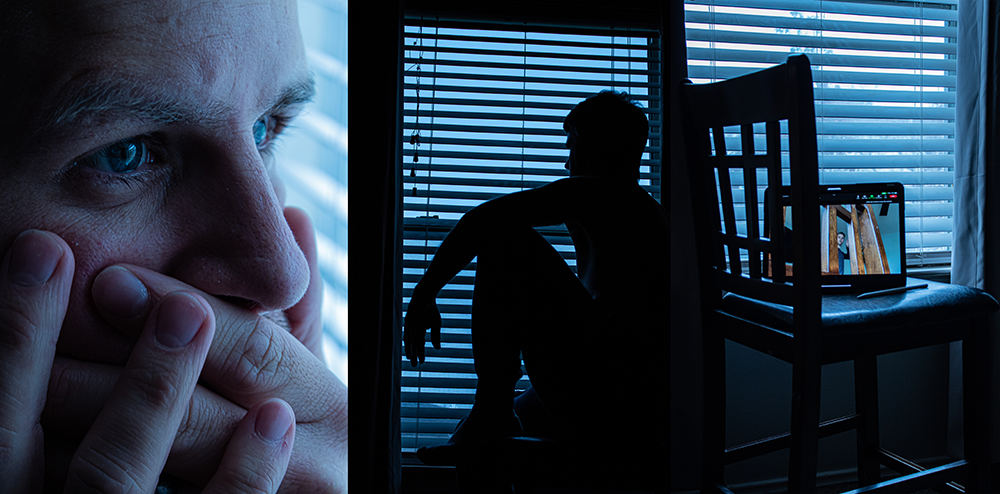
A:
551,204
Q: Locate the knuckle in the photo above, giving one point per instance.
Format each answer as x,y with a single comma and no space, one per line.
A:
158,387
248,481
103,469
61,384
315,476
190,426
13,442
206,423
257,360
19,328
8,453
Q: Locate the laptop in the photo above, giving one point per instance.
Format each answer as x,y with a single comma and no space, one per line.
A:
862,236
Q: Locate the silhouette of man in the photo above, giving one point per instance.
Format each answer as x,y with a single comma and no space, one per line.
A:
589,342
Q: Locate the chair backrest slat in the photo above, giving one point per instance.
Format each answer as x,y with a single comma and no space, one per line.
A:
750,191
729,216
773,165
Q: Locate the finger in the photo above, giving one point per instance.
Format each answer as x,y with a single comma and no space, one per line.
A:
408,339
35,279
305,316
127,447
411,354
258,454
406,342
436,335
251,359
122,300
421,346
78,390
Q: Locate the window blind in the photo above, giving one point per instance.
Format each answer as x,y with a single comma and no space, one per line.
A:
884,85
312,161
483,110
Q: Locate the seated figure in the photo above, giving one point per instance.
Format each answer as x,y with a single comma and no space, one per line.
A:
590,341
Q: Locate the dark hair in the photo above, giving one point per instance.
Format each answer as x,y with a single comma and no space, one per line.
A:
612,128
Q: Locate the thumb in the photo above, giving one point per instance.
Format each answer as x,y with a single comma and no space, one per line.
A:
305,316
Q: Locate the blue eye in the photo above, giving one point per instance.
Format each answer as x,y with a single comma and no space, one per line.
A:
121,157
260,131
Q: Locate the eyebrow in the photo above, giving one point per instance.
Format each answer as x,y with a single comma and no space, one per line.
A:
107,97
299,92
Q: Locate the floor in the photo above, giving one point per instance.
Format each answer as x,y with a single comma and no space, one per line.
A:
833,489
441,480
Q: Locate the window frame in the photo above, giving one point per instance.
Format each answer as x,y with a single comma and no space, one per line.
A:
440,228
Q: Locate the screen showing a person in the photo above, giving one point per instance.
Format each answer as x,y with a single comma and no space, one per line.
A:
861,238
860,229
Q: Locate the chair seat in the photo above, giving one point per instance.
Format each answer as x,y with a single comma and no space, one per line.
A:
844,314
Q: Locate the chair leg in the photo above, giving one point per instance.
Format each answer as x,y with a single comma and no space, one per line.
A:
714,437
866,404
805,426
975,372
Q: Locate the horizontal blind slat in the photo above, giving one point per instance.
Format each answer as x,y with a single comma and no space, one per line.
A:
815,24
534,41
498,51
873,60
843,77
571,76
902,10
415,19
719,36
506,96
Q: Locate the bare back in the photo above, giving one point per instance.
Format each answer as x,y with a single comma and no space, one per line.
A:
621,237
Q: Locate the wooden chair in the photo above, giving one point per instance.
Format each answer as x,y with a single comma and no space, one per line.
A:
791,319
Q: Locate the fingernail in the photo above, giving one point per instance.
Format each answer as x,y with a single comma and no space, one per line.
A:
273,420
179,319
33,258
119,292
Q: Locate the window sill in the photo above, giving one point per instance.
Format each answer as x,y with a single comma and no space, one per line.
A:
424,479
940,274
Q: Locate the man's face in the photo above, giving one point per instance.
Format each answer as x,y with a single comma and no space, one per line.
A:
576,165
140,133
571,159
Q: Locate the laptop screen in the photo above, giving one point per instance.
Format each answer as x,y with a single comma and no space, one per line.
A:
862,241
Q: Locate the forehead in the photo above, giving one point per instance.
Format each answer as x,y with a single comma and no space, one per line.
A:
232,51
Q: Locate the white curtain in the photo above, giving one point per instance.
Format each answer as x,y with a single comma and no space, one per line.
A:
976,244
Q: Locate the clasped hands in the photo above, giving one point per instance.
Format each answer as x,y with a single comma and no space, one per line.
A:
265,412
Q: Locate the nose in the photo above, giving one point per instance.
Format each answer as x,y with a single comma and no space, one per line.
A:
233,240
